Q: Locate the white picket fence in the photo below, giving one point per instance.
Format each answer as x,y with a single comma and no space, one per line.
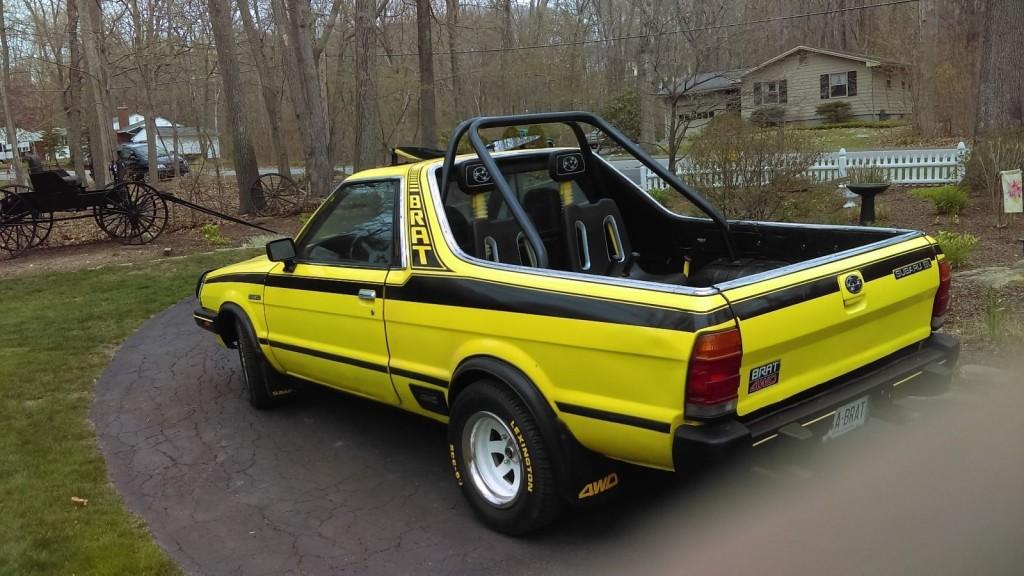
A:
925,166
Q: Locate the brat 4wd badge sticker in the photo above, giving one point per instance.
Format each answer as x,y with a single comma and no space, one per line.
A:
764,376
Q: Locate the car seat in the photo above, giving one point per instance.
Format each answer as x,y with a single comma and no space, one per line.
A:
596,239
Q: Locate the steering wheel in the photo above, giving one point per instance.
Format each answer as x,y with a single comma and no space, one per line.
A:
373,255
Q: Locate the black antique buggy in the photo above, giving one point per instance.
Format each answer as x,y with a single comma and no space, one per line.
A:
130,212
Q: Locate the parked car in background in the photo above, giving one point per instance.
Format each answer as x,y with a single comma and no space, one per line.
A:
132,163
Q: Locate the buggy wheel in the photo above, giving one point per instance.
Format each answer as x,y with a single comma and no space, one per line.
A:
44,220
133,213
44,224
275,195
19,222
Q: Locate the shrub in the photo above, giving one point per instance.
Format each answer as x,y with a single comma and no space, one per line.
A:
994,313
950,199
660,195
623,112
835,112
957,246
992,153
751,171
768,116
211,233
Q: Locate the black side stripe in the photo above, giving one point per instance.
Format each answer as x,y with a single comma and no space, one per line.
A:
353,362
596,414
420,377
472,293
245,277
325,355
818,287
326,285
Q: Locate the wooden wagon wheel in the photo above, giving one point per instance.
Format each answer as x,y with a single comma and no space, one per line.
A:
133,213
275,195
44,220
19,222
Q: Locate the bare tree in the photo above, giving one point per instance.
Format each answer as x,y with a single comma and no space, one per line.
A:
1001,90
268,86
246,171
301,57
367,141
425,47
5,94
458,82
101,135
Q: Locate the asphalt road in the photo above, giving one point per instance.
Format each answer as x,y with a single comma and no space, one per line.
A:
330,484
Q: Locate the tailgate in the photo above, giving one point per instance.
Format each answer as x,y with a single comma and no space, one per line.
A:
810,326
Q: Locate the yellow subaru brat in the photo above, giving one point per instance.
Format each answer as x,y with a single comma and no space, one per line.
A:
559,320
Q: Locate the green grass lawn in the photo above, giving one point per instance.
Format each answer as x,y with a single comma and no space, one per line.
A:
57,332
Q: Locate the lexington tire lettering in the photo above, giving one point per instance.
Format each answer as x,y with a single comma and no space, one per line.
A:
536,501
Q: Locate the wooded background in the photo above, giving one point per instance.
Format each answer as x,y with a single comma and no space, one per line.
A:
323,82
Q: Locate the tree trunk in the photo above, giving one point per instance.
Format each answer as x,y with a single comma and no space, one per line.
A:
425,47
307,102
318,169
1001,89
5,90
367,142
458,82
925,89
246,171
73,93
268,84
101,134
648,101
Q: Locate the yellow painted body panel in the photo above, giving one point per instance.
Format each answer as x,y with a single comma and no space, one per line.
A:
418,327
825,337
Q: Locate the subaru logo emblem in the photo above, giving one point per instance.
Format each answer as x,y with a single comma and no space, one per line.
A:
854,284
480,175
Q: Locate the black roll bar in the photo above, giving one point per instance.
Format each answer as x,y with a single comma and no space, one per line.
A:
473,126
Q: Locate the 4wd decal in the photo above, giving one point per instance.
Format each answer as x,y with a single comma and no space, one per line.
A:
912,268
420,240
598,486
764,376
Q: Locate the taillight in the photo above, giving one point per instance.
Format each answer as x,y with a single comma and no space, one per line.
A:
713,379
941,295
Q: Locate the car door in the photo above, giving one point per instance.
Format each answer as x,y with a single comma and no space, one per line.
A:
325,311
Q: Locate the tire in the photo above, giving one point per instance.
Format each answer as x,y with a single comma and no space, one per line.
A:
266,386
511,488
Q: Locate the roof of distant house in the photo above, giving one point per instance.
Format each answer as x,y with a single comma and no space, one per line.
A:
869,61
705,82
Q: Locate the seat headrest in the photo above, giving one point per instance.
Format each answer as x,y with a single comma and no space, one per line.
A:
474,178
566,166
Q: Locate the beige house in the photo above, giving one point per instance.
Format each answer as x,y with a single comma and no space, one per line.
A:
799,80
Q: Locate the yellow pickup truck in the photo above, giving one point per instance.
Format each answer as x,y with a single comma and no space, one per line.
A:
560,320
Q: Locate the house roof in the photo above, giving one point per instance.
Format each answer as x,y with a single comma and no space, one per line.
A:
705,82
869,61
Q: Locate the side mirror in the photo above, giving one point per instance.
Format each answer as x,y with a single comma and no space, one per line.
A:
282,250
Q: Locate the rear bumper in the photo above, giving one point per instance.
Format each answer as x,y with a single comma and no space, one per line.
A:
923,370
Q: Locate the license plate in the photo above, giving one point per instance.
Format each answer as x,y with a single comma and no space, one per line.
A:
848,417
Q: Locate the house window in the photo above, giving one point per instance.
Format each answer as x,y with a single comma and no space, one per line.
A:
771,92
691,116
839,85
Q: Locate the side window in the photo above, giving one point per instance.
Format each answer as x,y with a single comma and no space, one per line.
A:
354,227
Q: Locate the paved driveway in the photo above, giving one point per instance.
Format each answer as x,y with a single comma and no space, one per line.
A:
331,484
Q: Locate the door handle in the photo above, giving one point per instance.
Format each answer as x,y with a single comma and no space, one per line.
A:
367,294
